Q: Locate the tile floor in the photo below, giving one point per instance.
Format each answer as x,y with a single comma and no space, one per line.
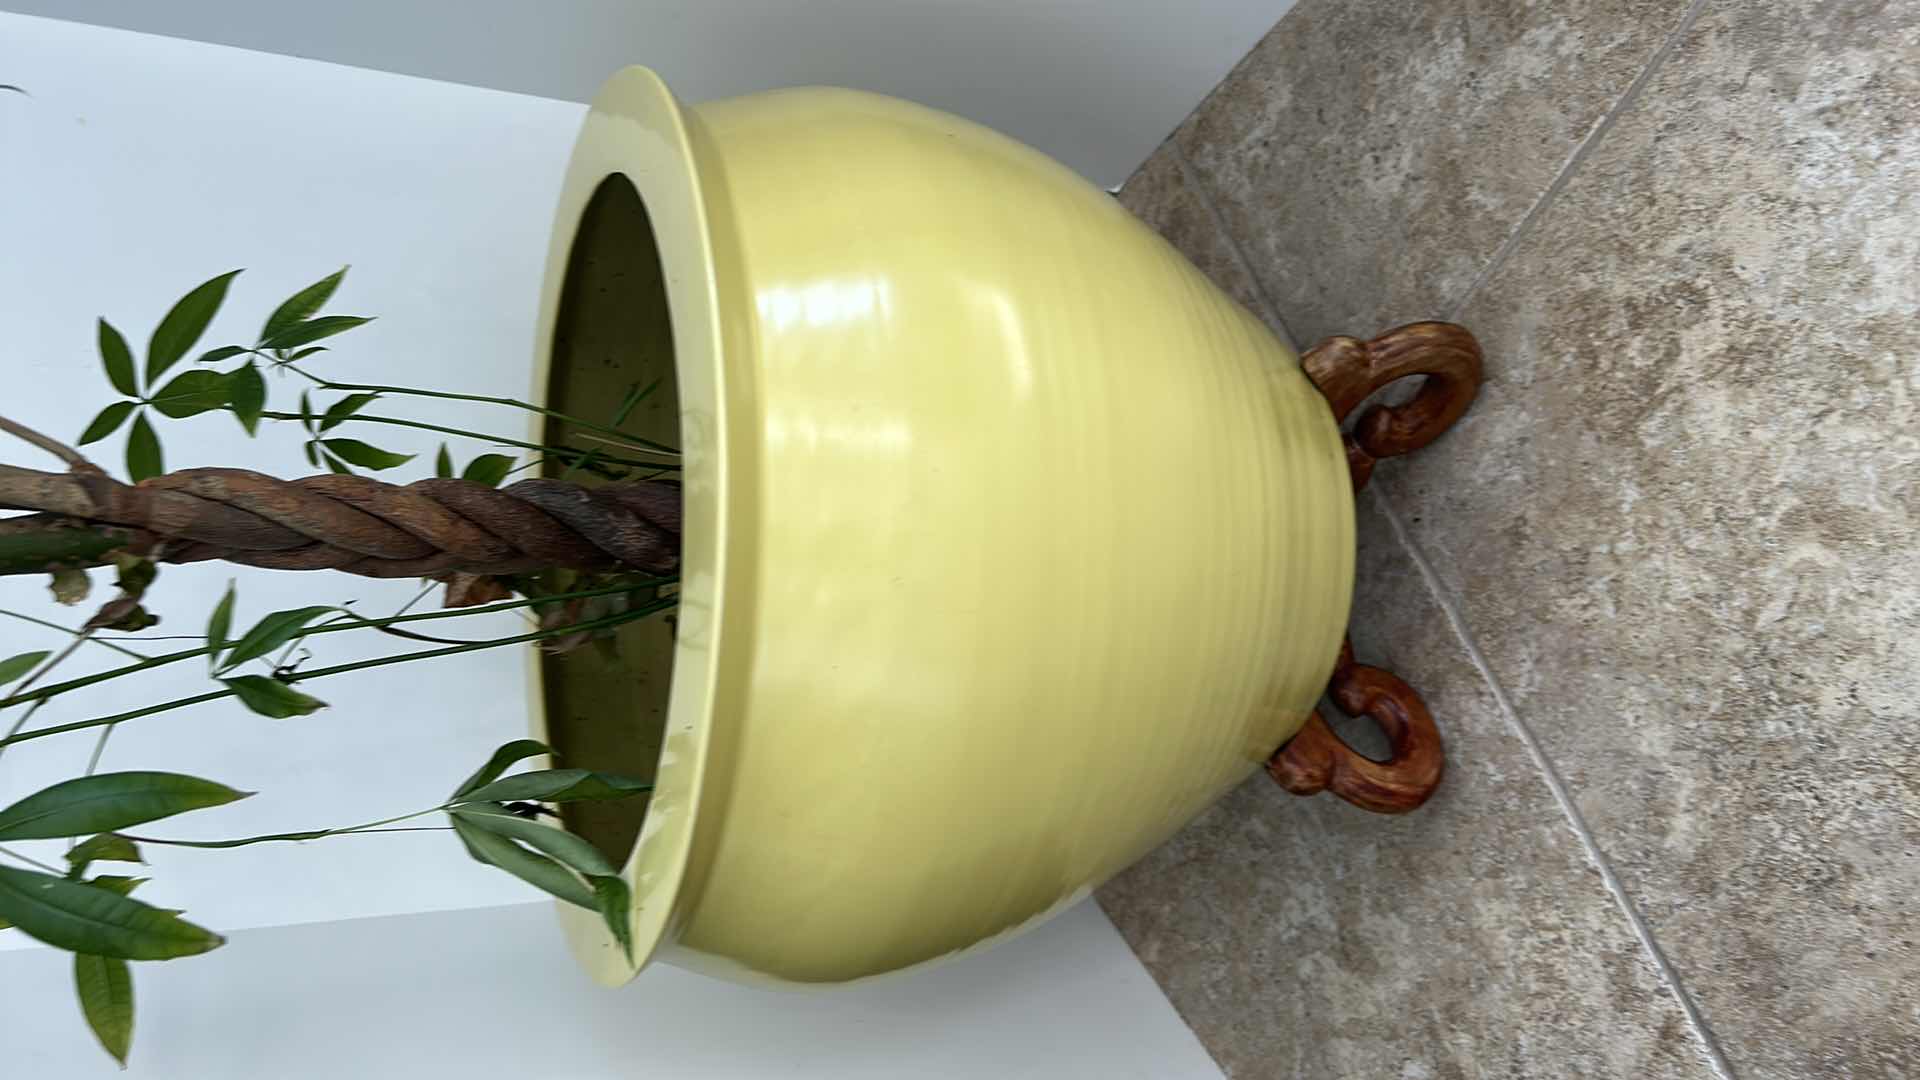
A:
1660,586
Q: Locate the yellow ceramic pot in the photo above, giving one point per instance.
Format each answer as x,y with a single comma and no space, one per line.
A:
1011,542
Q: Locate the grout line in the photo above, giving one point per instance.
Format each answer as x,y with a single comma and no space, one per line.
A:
1716,1058
1550,773
1579,157
1199,187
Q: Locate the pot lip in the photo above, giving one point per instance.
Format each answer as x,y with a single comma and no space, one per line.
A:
635,128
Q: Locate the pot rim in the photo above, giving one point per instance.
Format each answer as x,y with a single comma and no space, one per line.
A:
635,128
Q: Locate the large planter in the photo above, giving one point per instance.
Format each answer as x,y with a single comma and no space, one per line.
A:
1010,542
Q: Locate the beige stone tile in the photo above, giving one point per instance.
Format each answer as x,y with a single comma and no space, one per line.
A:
1371,156
1306,938
1158,193
1682,522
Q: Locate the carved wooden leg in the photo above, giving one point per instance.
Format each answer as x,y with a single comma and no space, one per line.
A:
1347,370
1315,759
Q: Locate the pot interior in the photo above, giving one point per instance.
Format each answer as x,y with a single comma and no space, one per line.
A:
606,709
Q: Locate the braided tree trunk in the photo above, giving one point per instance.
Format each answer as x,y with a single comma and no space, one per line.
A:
351,523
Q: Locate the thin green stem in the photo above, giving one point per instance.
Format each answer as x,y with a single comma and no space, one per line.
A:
79,638
108,721
500,440
105,642
629,442
403,828
339,669
516,403
46,666
20,723
310,834
417,597
411,636
28,860
99,748
354,623
585,462
100,744
635,395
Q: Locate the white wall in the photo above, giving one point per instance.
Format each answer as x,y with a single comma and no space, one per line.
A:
1096,83
490,993
142,165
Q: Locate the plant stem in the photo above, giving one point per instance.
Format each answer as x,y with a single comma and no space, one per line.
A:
311,834
417,597
97,640
403,828
501,440
635,395
99,748
356,622
516,403
39,543
73,458
339,669
100,744
78,639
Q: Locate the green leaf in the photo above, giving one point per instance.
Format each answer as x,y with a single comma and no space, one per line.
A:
313,330
192,393
302,354
224,352
564,847
108,801
82,918
556,785
184,324
105,987
635,395
106,847
16,667
355,452
118,359
306,413
301,305
143,451
107,422
488,469
335,465
344,408
115,884
272,632
533,868
616,906
507,755
219,624
443,464
272,698
312,458
248,392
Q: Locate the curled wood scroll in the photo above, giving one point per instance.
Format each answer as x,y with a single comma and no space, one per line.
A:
1347,370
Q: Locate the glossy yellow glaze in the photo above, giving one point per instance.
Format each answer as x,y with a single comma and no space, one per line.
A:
1012,543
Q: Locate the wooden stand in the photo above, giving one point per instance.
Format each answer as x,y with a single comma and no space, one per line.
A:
1347,370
